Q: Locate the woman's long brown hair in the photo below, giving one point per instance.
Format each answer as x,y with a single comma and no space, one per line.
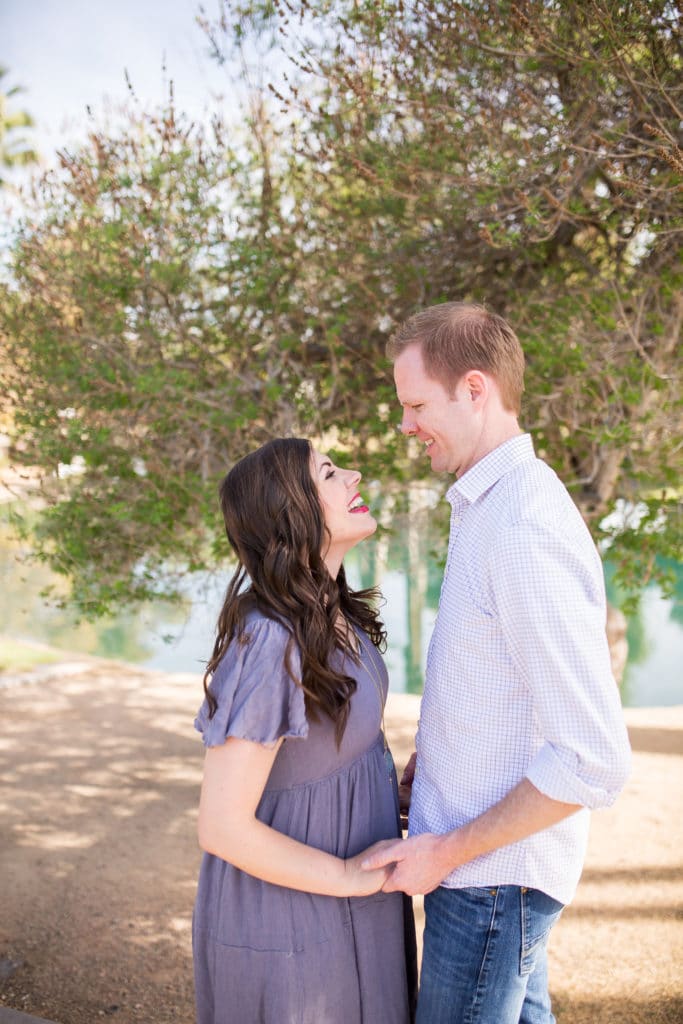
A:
274,522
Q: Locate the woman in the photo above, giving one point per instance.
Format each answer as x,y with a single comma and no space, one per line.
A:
297,778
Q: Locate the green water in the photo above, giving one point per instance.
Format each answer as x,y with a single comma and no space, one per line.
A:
406,565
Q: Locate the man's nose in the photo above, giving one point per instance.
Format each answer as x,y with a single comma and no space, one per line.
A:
408,425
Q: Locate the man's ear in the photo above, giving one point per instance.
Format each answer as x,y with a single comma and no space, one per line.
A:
476,384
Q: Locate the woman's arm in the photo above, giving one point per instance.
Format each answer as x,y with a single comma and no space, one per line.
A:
234,779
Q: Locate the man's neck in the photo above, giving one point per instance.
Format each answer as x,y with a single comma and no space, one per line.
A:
502,431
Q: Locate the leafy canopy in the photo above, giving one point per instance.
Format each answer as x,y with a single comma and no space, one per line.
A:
178,295
15,148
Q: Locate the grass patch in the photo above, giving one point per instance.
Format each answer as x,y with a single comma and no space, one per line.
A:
20,656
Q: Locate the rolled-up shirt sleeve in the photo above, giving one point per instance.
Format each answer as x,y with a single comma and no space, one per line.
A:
548,590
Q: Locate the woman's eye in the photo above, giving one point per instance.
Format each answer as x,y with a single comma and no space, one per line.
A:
329,473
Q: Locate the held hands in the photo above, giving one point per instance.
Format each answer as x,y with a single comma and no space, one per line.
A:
417,865
362,881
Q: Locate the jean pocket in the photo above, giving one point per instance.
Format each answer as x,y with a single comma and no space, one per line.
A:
539,912
481,892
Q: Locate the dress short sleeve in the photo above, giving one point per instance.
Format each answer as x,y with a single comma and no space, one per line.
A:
257,698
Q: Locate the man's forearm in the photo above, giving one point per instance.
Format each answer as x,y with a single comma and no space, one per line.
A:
523,811
422,862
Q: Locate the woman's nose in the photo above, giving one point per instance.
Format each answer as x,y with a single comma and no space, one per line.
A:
354,477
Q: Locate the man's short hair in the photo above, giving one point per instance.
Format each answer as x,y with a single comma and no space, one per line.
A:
458,336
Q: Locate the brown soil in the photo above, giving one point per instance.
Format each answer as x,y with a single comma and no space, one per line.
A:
99,777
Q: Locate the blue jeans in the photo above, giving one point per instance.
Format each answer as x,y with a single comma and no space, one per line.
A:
485,956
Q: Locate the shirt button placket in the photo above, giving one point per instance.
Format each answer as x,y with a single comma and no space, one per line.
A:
456,519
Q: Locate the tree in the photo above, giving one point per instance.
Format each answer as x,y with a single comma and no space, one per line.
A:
15,150
178,296
140,361
528,156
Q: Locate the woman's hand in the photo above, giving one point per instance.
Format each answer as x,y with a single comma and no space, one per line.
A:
365,883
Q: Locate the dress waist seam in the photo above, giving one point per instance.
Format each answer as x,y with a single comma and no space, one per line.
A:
342,769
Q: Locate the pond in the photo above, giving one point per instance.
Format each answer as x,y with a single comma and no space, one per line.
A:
179,638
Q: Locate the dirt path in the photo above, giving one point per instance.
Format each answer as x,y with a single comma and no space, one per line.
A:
99,776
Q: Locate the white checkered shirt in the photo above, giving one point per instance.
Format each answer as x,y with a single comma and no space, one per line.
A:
518,682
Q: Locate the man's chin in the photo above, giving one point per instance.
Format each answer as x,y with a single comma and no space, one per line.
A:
438,463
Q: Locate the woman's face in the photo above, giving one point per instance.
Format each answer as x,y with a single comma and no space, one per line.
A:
347,518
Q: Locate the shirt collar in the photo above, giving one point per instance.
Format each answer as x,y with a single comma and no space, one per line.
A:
488,471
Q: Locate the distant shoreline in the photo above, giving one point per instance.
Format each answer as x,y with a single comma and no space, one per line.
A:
401,706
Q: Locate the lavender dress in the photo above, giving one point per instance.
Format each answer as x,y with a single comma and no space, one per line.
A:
264,954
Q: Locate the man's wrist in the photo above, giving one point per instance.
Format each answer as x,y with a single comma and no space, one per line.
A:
457,847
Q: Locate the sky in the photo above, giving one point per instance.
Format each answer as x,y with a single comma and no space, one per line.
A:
71,54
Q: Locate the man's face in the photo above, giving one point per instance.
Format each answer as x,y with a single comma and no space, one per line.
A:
449,427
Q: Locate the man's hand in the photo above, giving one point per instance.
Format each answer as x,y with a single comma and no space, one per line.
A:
421,863
405,789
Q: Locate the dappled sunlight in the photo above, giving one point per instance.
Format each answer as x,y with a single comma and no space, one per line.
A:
178,825
65,753
182,770
190,884
632,885
100,840
128,810
177,723
43,770
100,827
53,839
93,792
181,925
153,931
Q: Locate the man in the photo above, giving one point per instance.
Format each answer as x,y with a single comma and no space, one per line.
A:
520,729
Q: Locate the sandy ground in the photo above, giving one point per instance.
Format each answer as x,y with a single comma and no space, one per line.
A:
99,776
